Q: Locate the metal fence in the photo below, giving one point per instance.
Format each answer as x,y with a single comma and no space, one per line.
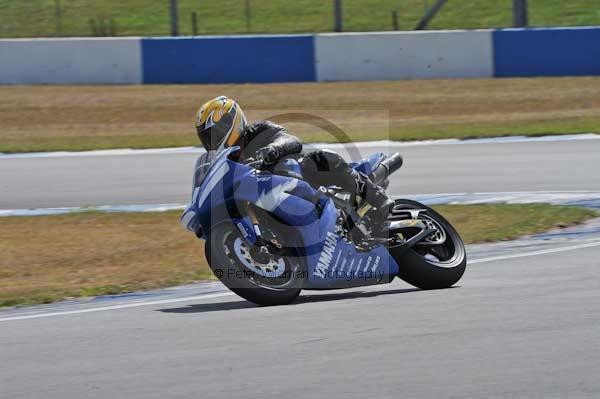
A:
52,18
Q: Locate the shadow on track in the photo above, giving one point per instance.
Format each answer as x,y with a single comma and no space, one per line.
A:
221,306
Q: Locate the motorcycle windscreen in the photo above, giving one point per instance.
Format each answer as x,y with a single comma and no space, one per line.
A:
202,167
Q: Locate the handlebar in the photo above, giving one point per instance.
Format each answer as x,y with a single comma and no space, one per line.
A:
253,163
386,168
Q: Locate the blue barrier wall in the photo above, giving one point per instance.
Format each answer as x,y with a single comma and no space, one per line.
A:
547,52
229,59
302,58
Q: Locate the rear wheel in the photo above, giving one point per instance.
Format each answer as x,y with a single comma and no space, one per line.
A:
438,261
265,279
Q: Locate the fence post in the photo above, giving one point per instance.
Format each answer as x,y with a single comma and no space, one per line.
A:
430,14
58,16
337,16
93,26
520,13
194,24
248,15
395,20
174,10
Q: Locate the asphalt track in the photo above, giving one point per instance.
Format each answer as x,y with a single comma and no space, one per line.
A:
166,178
523,322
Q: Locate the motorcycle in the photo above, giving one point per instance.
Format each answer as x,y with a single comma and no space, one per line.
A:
269,234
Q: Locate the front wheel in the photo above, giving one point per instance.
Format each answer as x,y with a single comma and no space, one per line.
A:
438,261
270,280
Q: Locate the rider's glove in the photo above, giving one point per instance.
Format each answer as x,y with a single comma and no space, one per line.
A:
268,155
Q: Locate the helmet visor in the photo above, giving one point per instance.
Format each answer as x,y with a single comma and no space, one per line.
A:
213,136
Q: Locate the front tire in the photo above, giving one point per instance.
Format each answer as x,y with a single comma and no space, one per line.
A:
276,282
429,266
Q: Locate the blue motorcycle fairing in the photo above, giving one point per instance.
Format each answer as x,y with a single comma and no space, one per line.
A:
289,199
229,183
368,165
335,263
329,260
291,166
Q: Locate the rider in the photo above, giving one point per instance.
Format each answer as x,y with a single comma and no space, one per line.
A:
221,123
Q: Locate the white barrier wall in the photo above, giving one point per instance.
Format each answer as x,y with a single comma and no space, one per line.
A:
303,58
406,55
70,61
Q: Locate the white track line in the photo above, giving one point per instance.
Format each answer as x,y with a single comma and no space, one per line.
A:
223,294
148,208
536,253
114,307
331,146
510,197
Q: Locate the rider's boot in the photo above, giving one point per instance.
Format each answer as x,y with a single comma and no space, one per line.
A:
376,203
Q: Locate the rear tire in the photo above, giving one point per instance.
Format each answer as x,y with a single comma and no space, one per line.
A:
420,268
236,276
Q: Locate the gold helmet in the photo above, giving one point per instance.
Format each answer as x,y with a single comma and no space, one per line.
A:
220,123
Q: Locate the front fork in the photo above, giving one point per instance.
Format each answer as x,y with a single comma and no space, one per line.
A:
261,244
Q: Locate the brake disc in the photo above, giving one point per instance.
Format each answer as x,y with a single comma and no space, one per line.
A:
273,268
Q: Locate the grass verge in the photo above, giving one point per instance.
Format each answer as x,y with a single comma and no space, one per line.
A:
49,258
50,118
151,17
